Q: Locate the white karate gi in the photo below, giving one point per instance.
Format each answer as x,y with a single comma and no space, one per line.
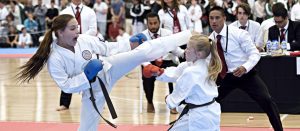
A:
66,67
193,86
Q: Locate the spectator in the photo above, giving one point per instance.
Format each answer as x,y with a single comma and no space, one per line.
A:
10,20
12,36
174,17
113,29
29,7
3,35
4,11
52,12
195,13
285,29
243,22
85,16
15,10
259,11
295,12
123,35
24,39
136,12
30,24
40,11
118,11
101,9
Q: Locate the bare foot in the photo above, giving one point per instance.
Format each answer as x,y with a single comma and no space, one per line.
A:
173,111
61,108
150,108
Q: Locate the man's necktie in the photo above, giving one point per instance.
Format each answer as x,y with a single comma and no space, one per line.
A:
155,36
282,35
77,16
176,23
221,54
243,27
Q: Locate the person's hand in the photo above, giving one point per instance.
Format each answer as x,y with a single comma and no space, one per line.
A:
159,62
152,70
260,49
92,68
238,72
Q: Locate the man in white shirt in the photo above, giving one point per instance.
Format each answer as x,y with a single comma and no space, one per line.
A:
88,22
239,56
86,18
24,39
154,31
243,22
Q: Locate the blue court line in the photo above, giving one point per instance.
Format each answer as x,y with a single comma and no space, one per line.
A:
17,50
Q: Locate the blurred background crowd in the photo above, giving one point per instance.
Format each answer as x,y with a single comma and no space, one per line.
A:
24,22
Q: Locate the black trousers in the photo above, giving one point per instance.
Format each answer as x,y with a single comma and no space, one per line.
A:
148,83
65,99
253,85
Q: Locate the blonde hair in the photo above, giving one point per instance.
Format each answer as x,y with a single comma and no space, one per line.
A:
202,43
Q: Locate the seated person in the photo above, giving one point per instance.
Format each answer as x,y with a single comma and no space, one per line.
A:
12,36
24,39
284,29
123,35
113,29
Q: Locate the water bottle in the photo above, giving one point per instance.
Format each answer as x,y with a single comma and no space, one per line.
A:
274,47
283,47
269,47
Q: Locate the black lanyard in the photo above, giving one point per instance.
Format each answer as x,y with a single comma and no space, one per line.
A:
225,51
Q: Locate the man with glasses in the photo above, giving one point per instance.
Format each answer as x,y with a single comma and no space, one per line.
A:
284,29
243,22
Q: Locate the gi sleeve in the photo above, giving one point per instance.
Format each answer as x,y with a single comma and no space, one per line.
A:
171,74
184,86
69,84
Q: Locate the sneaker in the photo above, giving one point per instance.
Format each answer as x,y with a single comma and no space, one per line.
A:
150,108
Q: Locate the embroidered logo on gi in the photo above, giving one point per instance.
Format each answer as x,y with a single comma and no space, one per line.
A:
86,54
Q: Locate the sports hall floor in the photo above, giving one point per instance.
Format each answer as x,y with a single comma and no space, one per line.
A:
31,107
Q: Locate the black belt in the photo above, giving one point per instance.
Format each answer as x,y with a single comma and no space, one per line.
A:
108,102
187,108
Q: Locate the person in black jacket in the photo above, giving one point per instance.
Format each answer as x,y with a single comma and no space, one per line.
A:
284,29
